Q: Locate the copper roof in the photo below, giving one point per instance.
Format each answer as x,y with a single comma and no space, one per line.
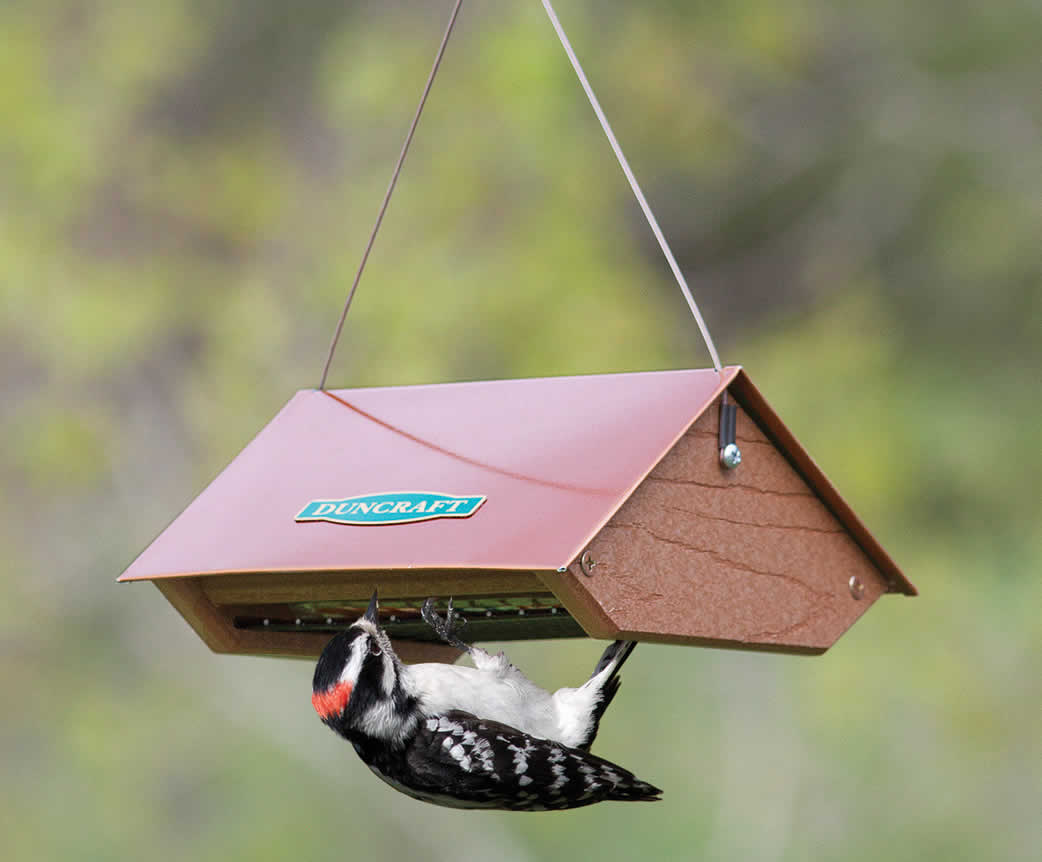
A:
555,458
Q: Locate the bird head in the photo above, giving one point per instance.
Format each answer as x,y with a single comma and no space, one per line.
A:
357,677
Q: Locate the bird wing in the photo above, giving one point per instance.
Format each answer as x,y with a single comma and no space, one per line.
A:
460,760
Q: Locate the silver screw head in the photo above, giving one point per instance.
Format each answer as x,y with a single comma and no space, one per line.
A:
730,456
586,563
857,589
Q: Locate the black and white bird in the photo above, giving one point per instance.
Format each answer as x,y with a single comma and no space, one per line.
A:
481,737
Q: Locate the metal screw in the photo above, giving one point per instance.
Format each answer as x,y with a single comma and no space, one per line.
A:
298,621
586,563
857,589
329,621
730,456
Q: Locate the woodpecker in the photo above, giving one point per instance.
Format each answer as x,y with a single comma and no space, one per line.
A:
481,737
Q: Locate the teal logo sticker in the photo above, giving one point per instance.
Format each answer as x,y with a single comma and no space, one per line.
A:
405,507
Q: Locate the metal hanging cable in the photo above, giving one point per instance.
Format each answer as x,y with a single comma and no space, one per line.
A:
390,191
612,140
648,214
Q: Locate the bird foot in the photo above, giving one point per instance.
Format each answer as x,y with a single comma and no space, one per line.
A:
445,628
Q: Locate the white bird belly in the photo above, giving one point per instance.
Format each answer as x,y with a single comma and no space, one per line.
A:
512,699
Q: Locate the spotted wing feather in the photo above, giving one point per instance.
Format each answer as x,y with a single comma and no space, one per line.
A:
461,761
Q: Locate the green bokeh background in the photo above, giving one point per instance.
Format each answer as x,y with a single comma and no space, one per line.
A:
855,193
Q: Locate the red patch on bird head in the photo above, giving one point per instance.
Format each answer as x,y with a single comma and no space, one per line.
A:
332,701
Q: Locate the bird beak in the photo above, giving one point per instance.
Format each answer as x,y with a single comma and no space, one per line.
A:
371,611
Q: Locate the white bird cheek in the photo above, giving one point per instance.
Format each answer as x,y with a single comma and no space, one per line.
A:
354,664
387,680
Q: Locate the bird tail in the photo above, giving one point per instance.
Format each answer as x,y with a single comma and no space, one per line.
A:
638,791
611,661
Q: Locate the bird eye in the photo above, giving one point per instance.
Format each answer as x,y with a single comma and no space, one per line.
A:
374,648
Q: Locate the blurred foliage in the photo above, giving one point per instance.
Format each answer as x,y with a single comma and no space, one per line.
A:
854,191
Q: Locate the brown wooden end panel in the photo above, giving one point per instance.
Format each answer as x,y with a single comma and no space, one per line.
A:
747,558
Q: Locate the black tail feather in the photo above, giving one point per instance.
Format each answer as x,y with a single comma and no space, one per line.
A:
609,654
638,791
619,650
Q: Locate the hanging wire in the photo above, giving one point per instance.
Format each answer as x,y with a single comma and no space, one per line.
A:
612,140
390,191
648,214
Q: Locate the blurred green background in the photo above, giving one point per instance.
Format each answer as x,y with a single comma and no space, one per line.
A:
855,193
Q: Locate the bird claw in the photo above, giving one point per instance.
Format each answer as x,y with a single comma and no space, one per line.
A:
445,628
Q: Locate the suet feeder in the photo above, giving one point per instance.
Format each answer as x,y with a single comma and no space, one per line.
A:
604,505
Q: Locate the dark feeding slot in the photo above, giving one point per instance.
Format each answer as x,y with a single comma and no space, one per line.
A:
488,618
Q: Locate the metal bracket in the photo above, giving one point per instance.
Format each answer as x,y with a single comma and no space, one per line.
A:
730,454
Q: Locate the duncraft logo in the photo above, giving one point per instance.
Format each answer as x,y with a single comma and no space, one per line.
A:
386,508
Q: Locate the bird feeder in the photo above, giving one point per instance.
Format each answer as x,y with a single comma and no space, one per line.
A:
668,506
545,508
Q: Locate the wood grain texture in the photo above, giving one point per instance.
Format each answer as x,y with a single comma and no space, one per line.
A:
748,558
761,413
